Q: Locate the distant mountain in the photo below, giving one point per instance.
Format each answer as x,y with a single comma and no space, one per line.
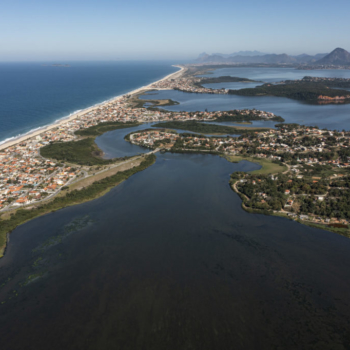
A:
239,53
305,58
270,58
204,54
336,57
248,53
252,57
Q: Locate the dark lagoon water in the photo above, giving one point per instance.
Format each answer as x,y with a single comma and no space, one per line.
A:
233,85
325,116
169,260
33,95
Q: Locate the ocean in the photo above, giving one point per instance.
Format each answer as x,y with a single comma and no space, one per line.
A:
36,94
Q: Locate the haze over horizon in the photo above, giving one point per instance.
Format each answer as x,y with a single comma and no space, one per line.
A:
109,30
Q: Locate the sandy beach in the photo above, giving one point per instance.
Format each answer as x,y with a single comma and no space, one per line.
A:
63,121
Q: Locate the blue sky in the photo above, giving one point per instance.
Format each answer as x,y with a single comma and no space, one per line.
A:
155,29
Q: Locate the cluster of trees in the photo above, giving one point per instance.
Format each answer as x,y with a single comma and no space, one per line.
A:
82,152
204,128
344,154
85,151
343,182
335,82
239,117
331,207
101,128
274,190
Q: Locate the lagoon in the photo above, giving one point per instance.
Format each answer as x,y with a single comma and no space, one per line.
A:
170,260
325,116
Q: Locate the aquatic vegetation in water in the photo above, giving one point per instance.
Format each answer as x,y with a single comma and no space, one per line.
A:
75,225
37,262
31,278
78,224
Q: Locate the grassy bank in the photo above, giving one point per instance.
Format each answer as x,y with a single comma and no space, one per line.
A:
267,166
204,128
340,231
223,79
93,191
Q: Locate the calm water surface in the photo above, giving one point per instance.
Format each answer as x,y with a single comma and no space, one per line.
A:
169,260
325,116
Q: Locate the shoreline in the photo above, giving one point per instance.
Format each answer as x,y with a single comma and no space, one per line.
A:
93,191
321,226
37,131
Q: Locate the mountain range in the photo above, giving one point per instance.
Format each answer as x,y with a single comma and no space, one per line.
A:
336,57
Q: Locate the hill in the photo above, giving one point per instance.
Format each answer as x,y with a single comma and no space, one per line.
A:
336,57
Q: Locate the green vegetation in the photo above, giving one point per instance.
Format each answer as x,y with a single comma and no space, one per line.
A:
136,102
236,116
78,224
82,152
297,90
85,151
267,166
203,128
75,197
330,82
32,278
101,128
223,79
339,230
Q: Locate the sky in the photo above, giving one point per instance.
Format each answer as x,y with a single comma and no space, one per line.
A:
44,30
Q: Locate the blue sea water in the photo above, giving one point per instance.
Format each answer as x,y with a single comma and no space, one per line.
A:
33,95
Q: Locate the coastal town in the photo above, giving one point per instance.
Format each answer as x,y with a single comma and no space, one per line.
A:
188,84
27,178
